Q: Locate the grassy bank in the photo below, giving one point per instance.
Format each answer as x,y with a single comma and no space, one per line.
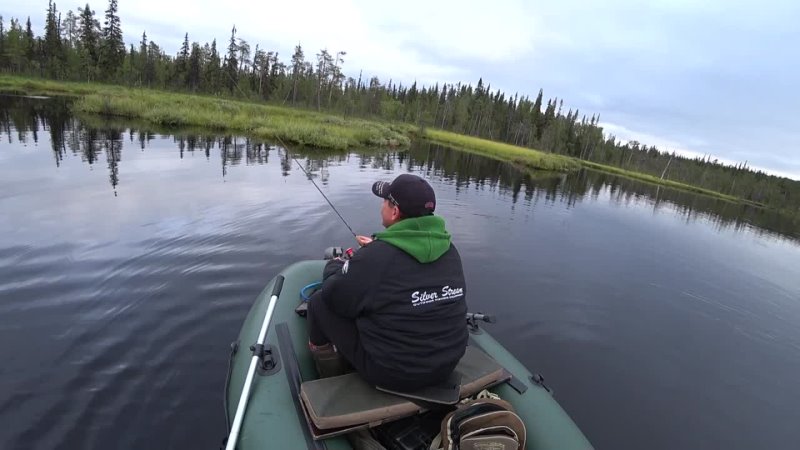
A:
291,125
35,86
534,159
528,158
296,126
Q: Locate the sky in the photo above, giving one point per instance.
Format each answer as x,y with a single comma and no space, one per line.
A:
712,77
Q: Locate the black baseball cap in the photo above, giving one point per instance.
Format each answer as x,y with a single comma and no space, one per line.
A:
412,194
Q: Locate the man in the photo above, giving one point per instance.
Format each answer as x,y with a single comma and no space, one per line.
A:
395,310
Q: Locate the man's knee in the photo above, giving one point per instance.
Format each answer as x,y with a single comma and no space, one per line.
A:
316,307
316,316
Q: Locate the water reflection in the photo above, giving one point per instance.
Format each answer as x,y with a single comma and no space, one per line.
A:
471,170
595,282
96,140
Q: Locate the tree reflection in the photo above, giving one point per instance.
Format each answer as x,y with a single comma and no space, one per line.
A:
22,119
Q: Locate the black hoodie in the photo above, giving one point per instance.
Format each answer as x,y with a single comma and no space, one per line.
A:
407,295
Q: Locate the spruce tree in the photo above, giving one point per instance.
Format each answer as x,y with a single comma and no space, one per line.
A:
212,70
183,56
112,49
88,41
2,44
193,73
537,114
52,48
29,43
146,63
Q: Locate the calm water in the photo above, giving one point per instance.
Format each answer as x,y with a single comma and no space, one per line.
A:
128,260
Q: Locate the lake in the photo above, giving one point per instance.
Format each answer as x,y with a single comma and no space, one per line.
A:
130,256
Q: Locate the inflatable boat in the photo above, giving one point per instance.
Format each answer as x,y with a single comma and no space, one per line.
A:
275,400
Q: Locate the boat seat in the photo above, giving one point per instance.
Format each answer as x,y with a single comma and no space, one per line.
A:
341,404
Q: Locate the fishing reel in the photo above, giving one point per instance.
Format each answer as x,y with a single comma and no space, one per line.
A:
338,252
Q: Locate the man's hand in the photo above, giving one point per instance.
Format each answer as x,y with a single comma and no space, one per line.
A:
331,267
363,240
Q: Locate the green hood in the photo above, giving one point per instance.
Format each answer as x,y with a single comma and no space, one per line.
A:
424,237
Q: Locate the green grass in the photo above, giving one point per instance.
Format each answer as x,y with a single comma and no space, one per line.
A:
291,125
525,157
297,126
36,86
534,159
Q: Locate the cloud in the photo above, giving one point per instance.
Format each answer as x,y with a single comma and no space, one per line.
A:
371,47
716,77
782,167
625,134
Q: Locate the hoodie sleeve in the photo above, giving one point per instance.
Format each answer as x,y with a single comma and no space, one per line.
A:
345,289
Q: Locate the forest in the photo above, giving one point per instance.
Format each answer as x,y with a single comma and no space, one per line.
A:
87,46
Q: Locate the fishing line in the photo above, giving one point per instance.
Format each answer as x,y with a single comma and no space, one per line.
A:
303,169
315,185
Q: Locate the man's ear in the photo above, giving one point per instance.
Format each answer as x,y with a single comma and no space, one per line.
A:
396,214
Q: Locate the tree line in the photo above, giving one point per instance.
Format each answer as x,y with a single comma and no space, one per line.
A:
77,46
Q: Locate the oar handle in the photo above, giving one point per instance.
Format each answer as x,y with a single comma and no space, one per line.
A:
276,290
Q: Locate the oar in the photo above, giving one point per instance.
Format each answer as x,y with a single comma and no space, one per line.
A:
243,398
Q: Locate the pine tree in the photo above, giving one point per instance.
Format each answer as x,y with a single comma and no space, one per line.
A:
336,74
146,63
276,70
231,65
260,71
212,70
112,49
71,29
298,60
244,56
324,62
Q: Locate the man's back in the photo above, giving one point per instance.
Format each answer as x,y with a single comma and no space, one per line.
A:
413,323
407,295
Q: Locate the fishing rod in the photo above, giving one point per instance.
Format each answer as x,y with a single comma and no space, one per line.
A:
318,189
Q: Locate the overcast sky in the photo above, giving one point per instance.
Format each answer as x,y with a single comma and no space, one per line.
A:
715,77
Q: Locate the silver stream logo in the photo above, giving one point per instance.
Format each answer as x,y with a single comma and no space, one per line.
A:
446,293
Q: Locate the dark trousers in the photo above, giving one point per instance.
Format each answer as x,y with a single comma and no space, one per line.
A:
326,326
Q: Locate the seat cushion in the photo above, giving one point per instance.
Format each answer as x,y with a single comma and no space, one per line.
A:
348,400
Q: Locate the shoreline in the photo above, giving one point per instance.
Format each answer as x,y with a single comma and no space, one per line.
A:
301,126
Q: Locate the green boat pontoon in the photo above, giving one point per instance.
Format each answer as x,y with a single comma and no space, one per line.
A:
275,401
